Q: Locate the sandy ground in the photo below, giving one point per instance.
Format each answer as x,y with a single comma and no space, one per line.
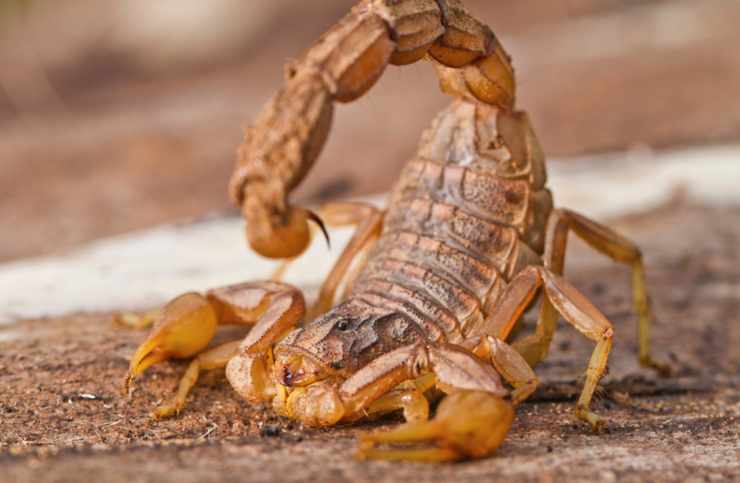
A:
63,418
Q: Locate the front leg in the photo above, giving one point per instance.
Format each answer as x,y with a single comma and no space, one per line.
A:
510,364
564,299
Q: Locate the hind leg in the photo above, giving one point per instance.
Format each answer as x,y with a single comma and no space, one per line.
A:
535,348
565,300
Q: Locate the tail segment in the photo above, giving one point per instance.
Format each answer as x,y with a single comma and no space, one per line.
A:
288,136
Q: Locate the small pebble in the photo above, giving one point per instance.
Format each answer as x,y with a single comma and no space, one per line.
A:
270,430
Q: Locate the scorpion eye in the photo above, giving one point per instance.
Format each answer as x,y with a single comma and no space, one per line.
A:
343,325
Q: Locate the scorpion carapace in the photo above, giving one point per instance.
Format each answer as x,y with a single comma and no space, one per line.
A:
431,287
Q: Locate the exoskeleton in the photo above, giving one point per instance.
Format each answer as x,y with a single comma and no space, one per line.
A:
433,285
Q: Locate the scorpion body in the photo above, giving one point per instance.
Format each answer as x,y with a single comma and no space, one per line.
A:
433,286
466,217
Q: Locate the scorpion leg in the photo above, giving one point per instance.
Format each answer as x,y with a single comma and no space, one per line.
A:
616,247
566,300
408,396
414,404
137,321
510,365
472,420
215,358
369,222
188,323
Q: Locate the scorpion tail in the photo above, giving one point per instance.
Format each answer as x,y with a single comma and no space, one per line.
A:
287,137
289,134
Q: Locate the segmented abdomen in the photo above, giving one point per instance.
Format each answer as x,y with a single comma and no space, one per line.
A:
465,217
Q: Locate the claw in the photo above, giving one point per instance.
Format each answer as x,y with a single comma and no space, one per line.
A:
185,328
468,424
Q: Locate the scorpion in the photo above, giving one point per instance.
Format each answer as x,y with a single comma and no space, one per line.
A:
424,300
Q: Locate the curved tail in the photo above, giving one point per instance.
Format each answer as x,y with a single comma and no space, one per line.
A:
287,137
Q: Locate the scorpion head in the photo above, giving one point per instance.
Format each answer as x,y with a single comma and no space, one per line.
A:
337,344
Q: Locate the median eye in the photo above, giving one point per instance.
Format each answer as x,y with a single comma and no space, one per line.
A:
343,325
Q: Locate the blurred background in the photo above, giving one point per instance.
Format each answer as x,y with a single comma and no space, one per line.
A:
119,115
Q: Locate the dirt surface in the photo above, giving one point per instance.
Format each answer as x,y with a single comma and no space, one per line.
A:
63,418
122,147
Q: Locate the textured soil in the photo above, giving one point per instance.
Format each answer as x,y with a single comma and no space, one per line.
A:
63,418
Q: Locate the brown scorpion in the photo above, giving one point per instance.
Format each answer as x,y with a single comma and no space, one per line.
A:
423,301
